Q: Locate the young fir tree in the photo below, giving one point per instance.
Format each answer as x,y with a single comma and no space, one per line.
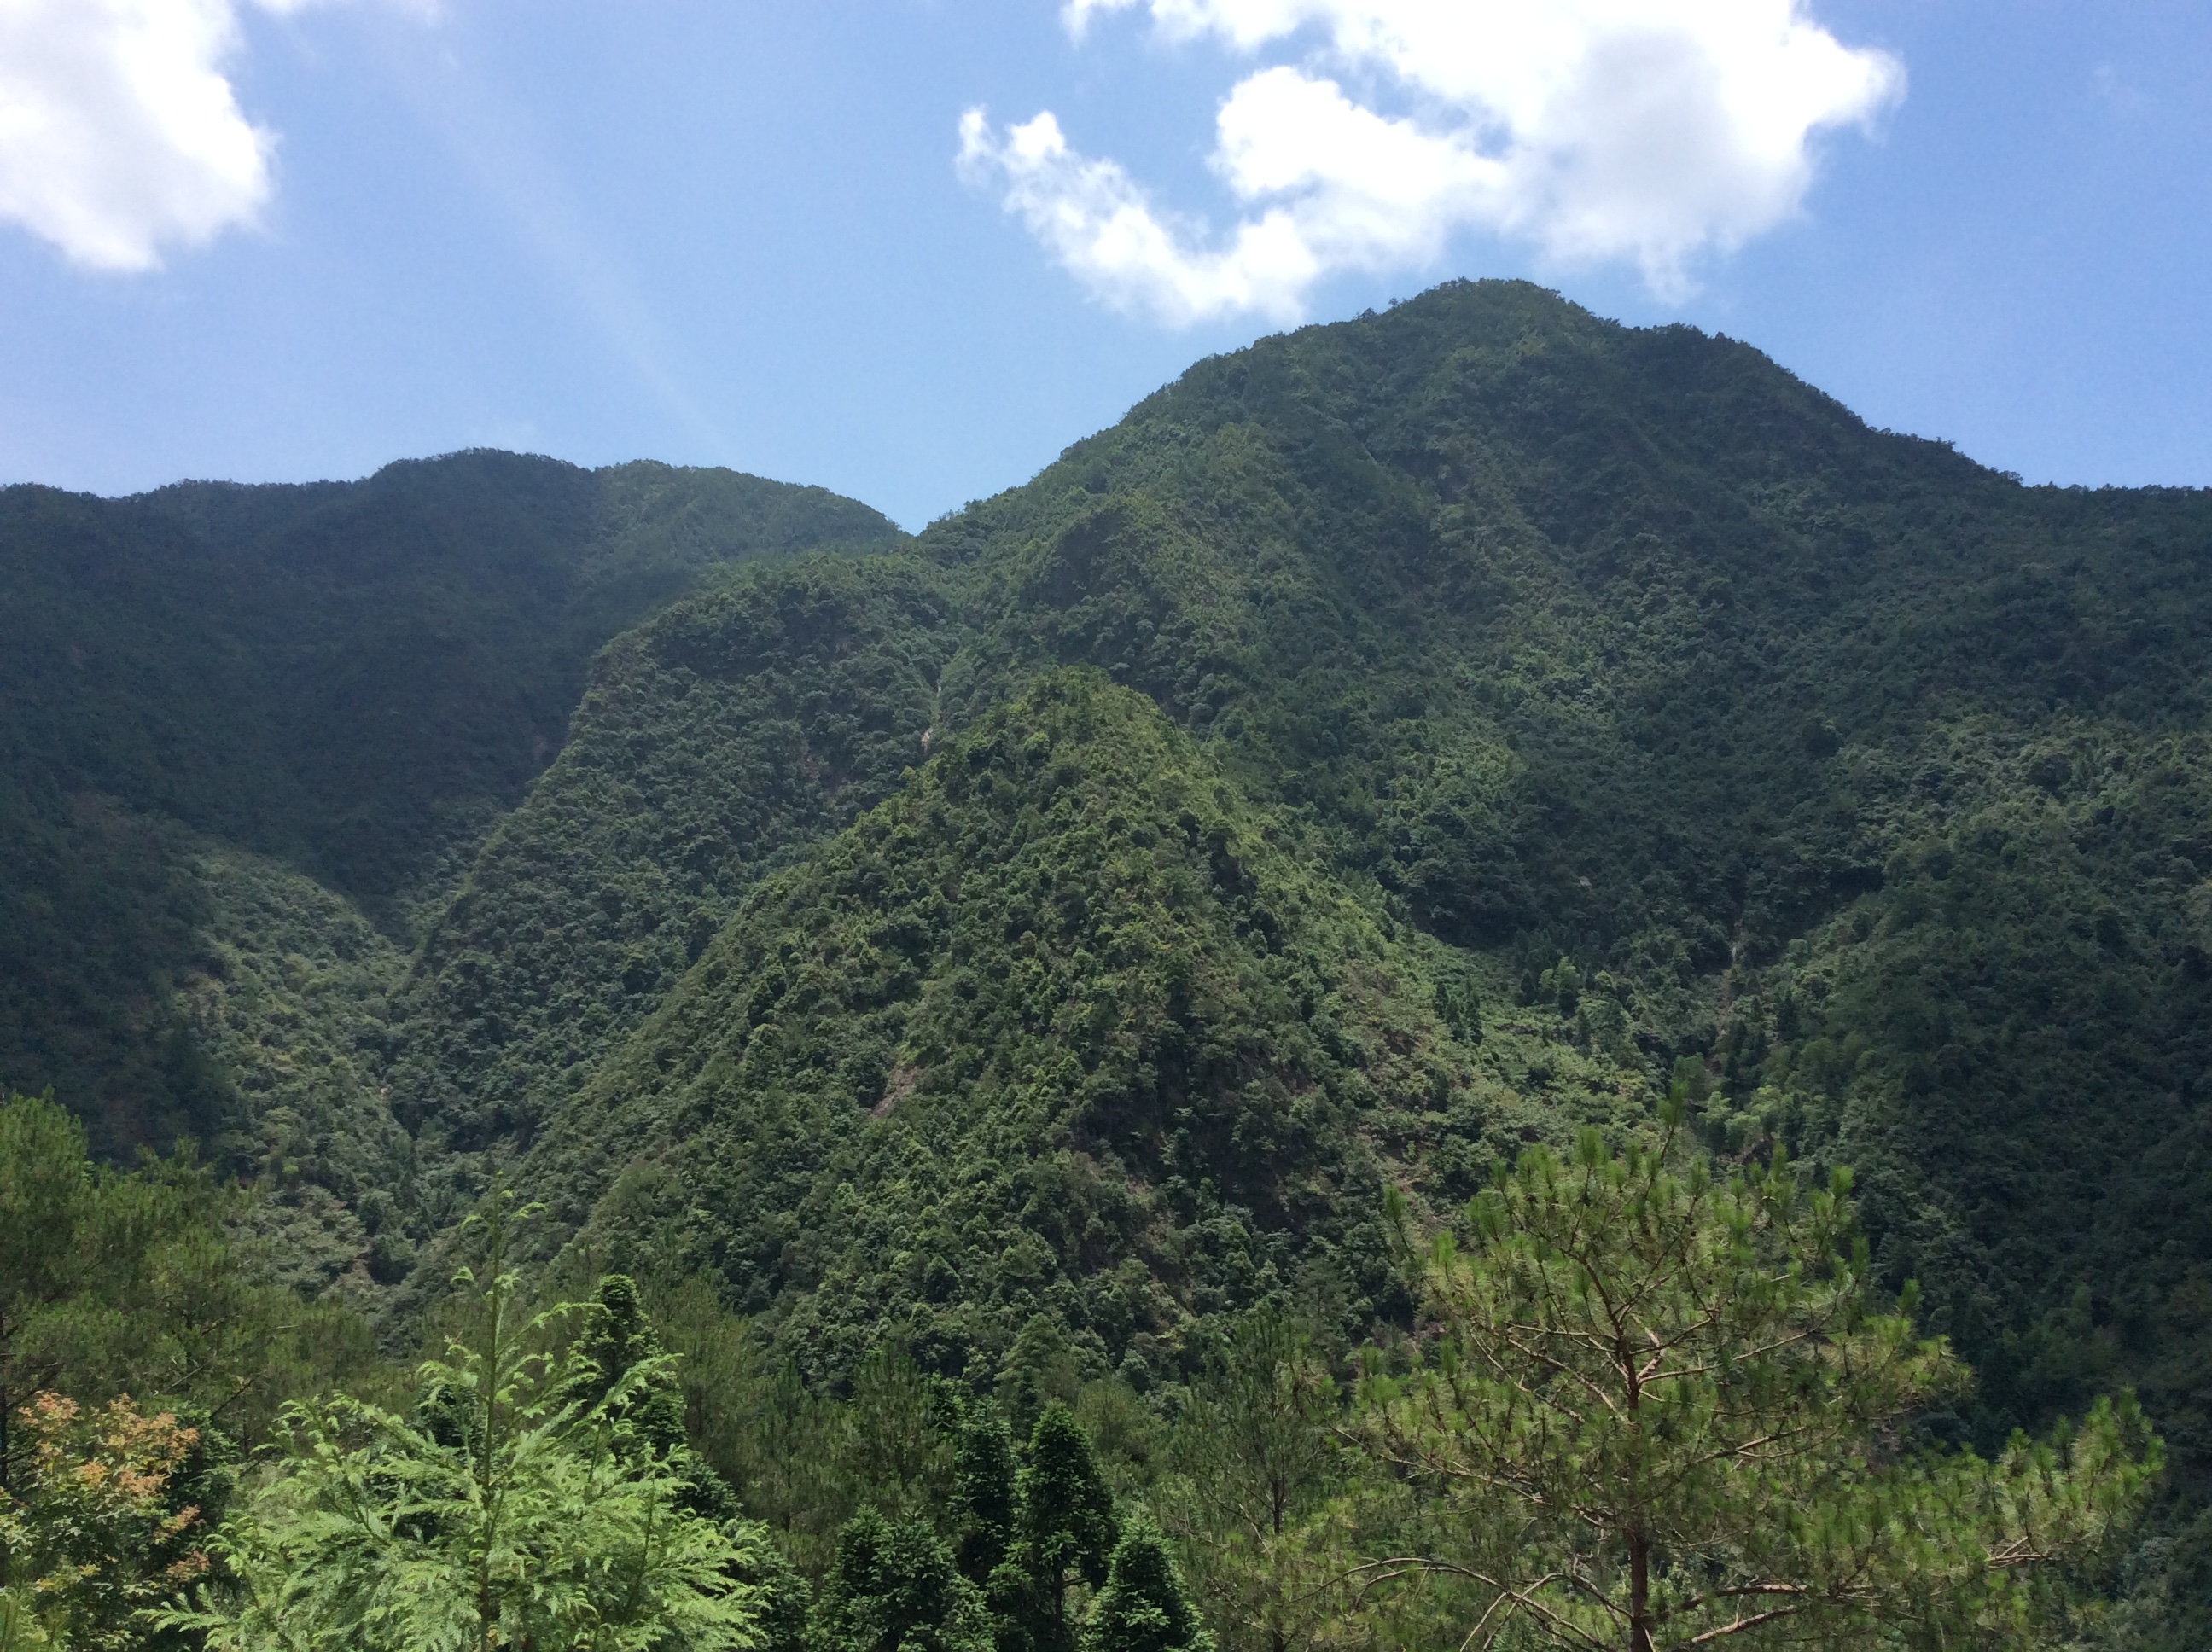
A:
523,1512
985,1502
894,1588
1065,1530
1659,1413
628,1375
1143,1606
617,1339
985,1514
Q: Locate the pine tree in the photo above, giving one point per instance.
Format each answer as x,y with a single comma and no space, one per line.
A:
1142,1607
1658,1412
1066,1527
1253,1467
791,1462
896,1453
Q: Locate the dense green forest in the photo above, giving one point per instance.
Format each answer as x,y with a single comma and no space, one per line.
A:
351,682
1070,963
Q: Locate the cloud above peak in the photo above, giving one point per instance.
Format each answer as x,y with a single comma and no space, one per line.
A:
1653,132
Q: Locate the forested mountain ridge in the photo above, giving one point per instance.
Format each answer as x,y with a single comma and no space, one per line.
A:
1061,1029
1861,786
350,681
1390,745
732,731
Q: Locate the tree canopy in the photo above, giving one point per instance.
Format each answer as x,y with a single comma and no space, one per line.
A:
1659,1410
995,964
522,1505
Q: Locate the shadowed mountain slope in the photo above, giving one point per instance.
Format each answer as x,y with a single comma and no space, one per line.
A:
737,726
352,678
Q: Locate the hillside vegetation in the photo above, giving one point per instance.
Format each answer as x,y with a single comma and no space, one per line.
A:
1871,780
1060,1029
1028,951
714,741
353,680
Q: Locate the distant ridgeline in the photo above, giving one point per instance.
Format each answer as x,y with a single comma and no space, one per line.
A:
249,737
1390,743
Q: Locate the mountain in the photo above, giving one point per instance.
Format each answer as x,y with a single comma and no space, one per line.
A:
1388,744
715,741
1063,1028
348,682
1717,735
1574,640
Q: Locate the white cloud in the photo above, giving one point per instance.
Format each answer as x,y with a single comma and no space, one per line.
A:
1651,130
120,137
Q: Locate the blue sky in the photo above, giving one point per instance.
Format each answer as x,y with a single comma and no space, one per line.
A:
737,233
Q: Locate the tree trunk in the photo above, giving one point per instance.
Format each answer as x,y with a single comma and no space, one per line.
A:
6,1490
6,1398
1639,1590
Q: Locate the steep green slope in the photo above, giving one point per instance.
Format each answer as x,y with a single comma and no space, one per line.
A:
289,1004
1644,581
1628,646
353,679
1588,642
1063,1028
736,725
1711,734
2012,1038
